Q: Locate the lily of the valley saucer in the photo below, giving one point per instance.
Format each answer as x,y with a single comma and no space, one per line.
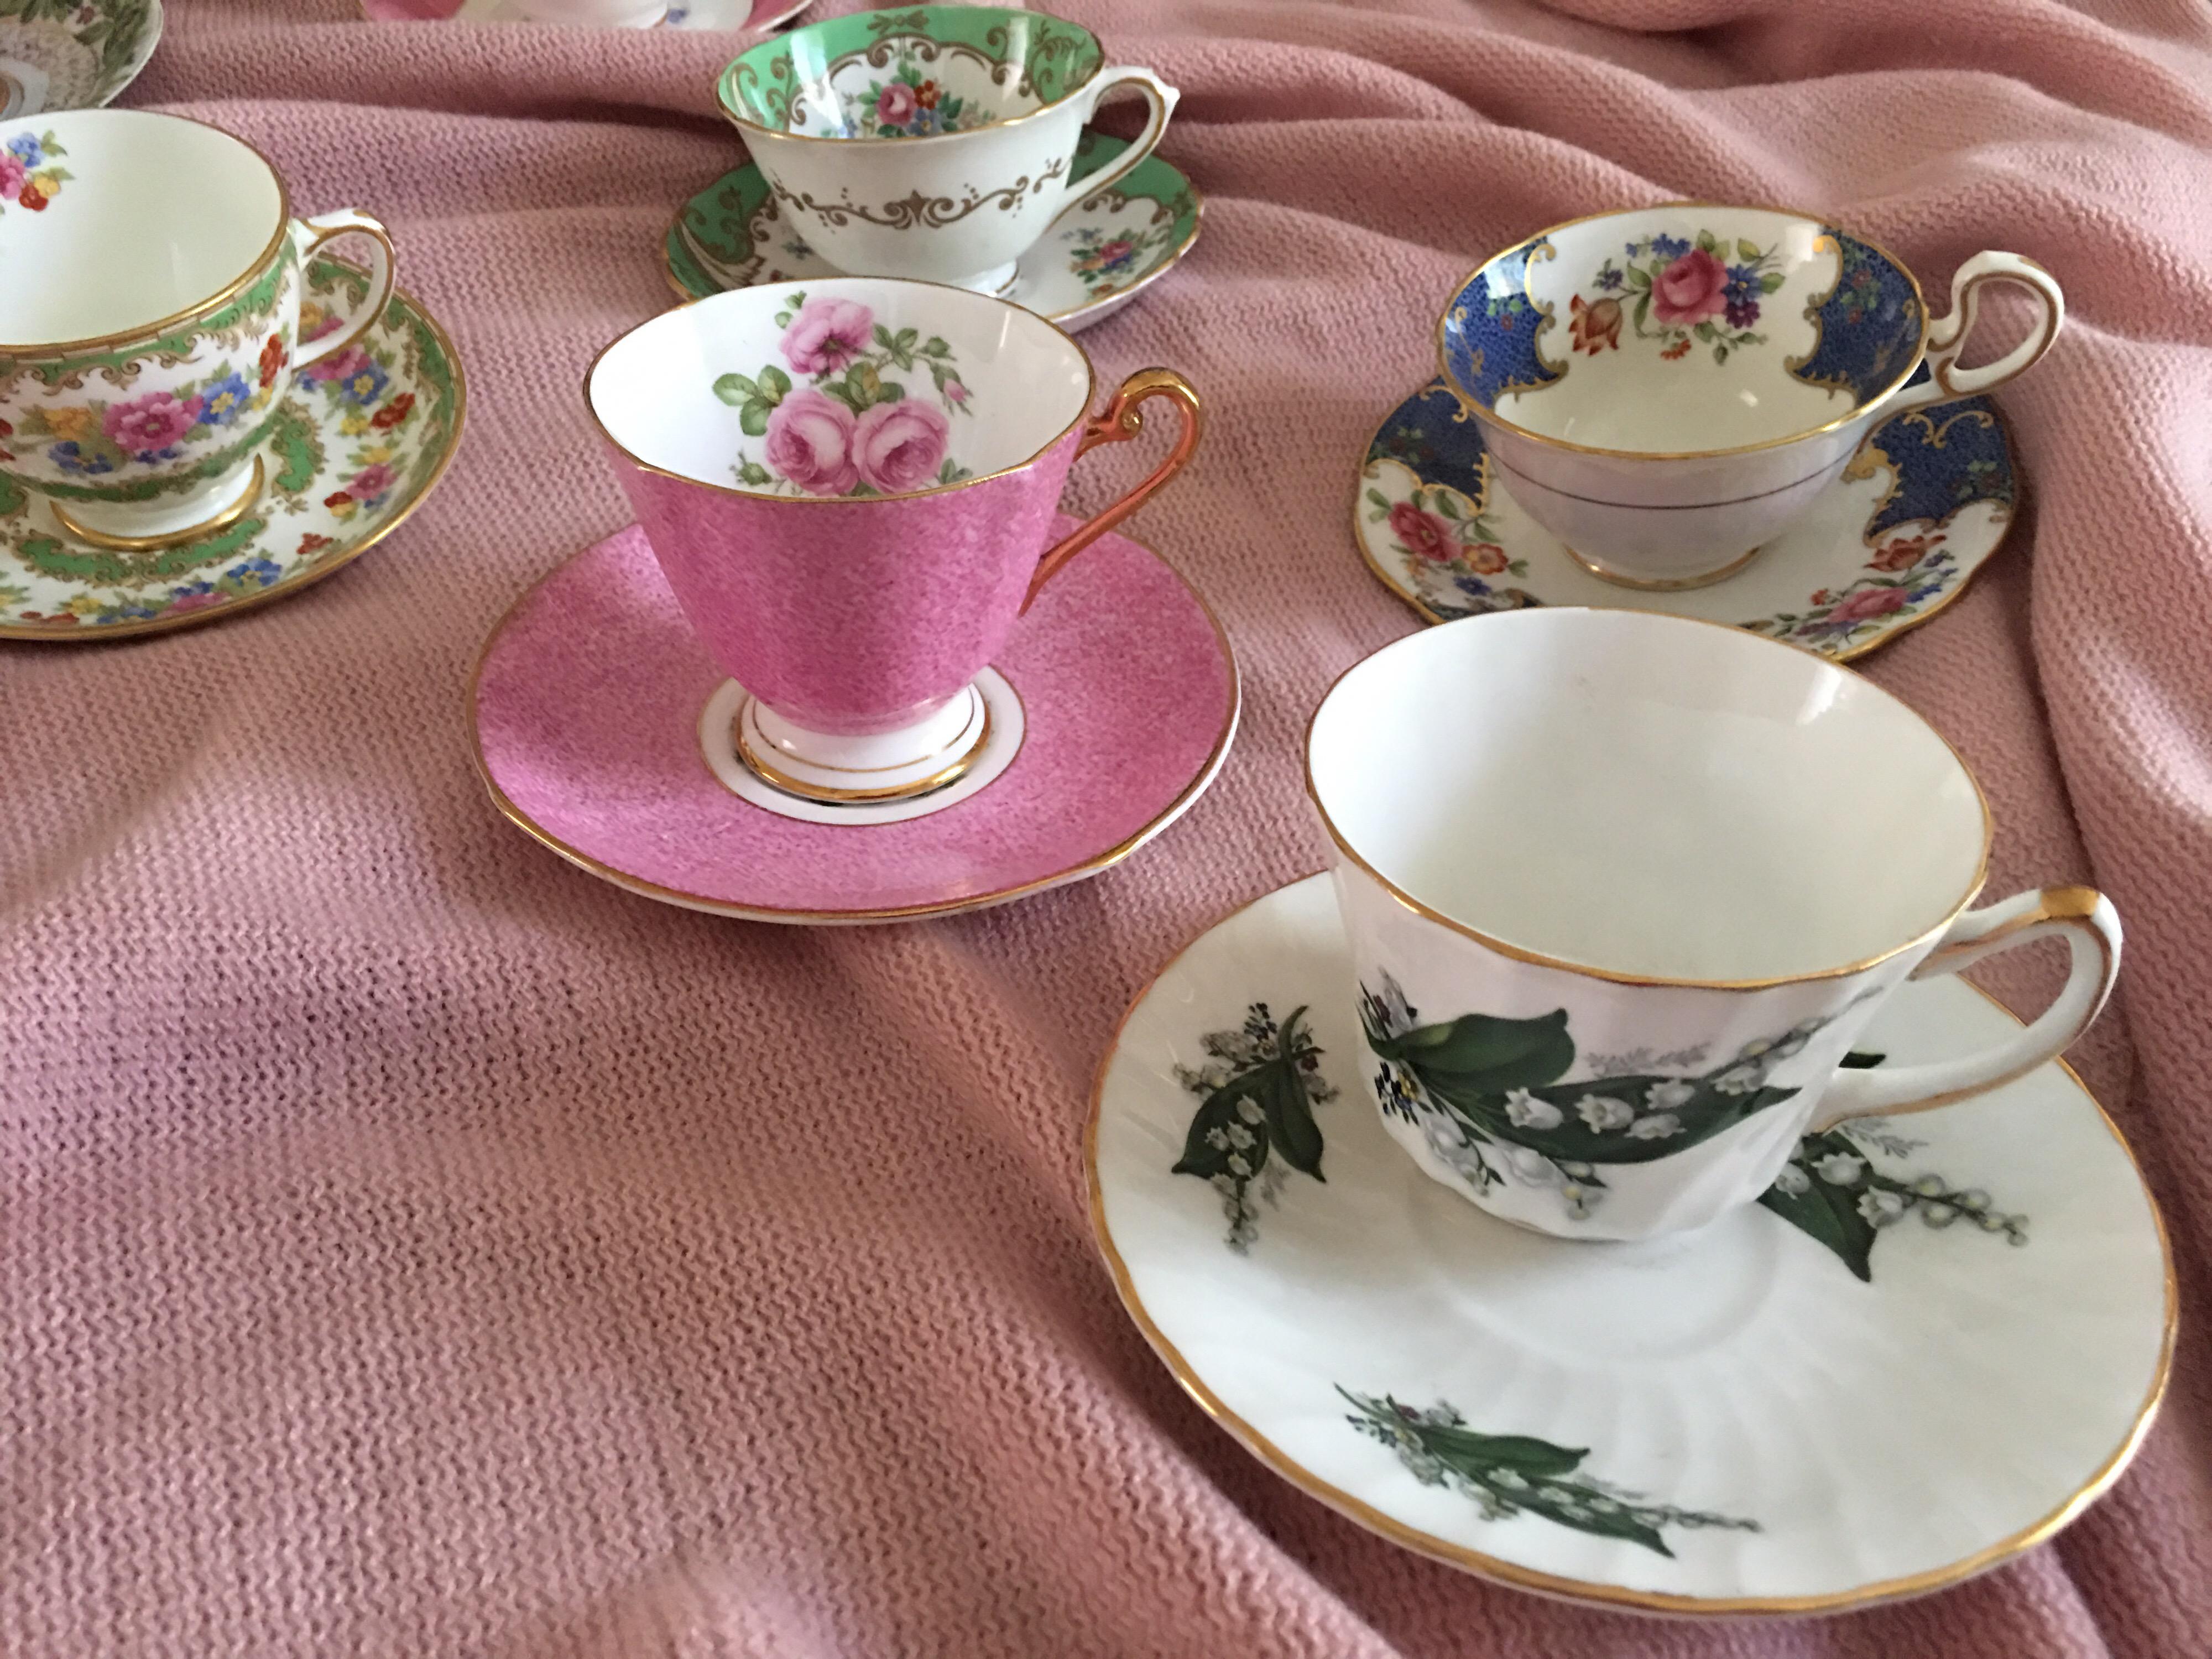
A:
587,706
59,56
1933,1342
714,15
1089,266
1921,506
356,445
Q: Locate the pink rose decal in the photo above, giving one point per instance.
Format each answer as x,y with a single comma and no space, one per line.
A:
1425,532
810,442
827,335
371,481
896,107
899,446
13,173
1868,603
1692,288
151,422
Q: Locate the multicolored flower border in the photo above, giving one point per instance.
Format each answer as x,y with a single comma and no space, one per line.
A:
372,493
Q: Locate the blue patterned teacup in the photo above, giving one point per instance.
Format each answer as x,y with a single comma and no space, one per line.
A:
1716,371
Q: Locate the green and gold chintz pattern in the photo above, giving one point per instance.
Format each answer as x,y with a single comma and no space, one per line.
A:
159,417
354,443
912,73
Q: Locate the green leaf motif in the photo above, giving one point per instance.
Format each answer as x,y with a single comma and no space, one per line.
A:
1770,283
1835,1192
1513,1474
774,384
1256,1093
752,419
736,389
1748,250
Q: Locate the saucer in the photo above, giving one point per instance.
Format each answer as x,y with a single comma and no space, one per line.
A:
1920,508
588,700
716,14
1090,265
72,56
347,457
1934,1342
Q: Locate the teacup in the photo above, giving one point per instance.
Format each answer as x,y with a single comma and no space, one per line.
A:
1716,371
850,488
151,319
931,141
1614,935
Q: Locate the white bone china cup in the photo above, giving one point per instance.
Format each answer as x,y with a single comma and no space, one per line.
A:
1615,938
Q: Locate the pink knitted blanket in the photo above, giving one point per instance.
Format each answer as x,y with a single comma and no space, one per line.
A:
412,1246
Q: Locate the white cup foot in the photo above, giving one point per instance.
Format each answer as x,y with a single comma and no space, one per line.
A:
139,526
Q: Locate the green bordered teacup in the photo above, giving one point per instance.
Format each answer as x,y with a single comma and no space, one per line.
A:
152,320
933,141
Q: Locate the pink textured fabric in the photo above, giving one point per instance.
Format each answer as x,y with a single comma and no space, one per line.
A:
1125,691
411,1245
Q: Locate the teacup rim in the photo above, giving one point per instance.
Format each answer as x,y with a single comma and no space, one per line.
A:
728,104
1587,971
46,349
1865,406
1082,413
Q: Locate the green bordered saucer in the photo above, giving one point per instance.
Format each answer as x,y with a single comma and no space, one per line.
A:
1092,262
1923,506
59,54
354,449
1934,1343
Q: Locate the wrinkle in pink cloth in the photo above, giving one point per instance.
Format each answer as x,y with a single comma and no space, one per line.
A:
413,1246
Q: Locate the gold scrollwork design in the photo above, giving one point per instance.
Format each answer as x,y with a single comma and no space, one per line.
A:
921,210
1543,309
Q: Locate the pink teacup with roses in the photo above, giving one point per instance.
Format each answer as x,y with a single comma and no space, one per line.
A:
151,319
850,486
1667,389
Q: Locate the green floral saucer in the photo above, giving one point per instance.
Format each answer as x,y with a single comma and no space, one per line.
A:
72,54
1921,506
357,443
1090,265
1930,1345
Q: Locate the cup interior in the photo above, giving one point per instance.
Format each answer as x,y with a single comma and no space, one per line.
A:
920,72
141,216
851,387
1646,795
1685,329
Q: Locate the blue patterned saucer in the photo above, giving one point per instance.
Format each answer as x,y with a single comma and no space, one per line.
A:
1921,506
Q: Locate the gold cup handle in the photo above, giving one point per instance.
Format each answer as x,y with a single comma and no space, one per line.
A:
1119,421
323,228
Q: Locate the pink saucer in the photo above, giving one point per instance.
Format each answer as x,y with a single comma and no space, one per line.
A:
586,702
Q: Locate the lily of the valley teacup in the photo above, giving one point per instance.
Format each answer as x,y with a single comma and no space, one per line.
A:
151,319
1623,889
850,488
1666,389
933,141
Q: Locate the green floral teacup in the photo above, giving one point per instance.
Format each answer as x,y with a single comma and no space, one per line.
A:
933,141
153,320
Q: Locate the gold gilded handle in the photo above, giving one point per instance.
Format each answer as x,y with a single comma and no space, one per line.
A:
1119,421
327,227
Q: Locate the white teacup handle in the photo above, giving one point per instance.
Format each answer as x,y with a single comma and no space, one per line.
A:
1156,93
311,233
2084,917
1946,336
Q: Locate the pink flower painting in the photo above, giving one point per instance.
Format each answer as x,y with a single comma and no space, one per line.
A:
899,446
151,422
1692,288
827,336
810,442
